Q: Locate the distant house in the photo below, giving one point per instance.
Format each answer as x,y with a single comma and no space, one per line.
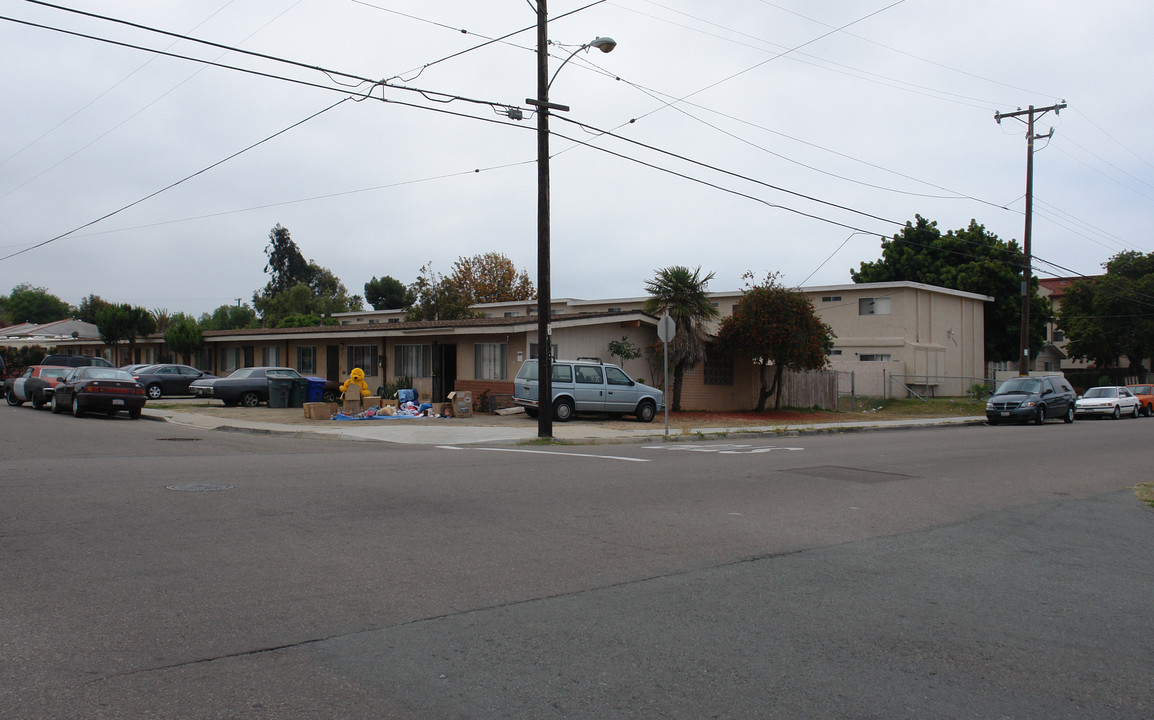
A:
890,336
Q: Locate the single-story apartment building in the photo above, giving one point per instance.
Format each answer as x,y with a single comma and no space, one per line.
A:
921,336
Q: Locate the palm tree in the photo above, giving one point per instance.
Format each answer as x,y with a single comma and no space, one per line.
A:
682,293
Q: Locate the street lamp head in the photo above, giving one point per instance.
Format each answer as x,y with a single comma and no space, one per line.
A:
604,44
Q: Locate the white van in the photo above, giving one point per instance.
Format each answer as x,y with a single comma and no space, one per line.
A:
588,386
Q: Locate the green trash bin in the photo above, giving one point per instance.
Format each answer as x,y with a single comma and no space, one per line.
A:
299,393
279,390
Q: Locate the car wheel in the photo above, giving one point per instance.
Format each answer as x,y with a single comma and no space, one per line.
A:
329,396
76,410
134,413
1040,415
531,412
646,411
11,397
1134,412
38,402
991,421
1069,414
1146,410
249,399
153,391
55,405
1117,412
562,410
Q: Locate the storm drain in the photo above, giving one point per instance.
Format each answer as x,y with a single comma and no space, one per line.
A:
178,439
848,474
199,487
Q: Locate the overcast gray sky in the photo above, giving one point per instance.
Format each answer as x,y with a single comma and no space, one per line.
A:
751,135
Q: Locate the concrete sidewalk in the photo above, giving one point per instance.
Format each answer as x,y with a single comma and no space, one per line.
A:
480,429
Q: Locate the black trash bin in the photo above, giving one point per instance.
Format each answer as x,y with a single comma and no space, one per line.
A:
299,393
279,390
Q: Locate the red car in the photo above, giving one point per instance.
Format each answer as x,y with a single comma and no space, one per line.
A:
31,385
1145,395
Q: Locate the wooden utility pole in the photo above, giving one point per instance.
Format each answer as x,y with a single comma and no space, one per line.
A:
1027,269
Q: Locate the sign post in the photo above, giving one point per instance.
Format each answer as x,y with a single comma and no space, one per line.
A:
666,329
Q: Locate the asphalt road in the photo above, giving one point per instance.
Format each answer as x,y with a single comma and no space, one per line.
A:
148,570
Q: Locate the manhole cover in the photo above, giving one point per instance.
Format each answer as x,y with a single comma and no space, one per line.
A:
199,487
178,439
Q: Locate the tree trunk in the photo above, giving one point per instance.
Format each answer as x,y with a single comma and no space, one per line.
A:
678,374
778,372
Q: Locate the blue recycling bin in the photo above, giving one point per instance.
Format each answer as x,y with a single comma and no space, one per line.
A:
316,391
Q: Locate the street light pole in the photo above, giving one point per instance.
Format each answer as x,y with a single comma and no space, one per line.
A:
544,290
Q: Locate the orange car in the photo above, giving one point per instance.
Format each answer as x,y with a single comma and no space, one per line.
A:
1145,395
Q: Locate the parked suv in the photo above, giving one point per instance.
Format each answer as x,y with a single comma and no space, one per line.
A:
1023,399
588,385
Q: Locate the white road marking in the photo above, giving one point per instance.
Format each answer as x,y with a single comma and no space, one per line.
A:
546,452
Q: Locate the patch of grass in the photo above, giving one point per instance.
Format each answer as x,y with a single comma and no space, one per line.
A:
897,408
1145,493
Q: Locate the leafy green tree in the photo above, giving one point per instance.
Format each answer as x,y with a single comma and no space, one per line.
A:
1112,316
779,327
183,336
118,323
387,293
90,306
229,317
297,286
437,298
624,349
35,305
971,260
683,294
491,278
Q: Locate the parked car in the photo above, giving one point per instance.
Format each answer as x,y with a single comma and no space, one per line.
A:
1145,395
105,389
1107,401
588,386
167,379
75,361
246,386
1023,399
135,366
32,385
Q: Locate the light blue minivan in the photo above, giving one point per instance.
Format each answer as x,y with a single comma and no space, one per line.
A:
588,385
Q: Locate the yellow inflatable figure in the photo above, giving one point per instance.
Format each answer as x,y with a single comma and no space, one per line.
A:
356,379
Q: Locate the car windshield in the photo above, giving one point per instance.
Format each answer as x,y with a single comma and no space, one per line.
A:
1101,392
1020,385
282,373
242,373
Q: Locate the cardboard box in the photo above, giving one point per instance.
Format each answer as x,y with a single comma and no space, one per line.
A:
352,404
462,403
320,410
371,401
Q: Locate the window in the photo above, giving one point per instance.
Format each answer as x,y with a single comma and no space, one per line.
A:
413,360
533,350
718,367
270,356
615,376
589,375
874,357
512,313
363,357
1059,336
490,361
835,352
873,306
614,309
307,359
229,359
563,373
831,298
